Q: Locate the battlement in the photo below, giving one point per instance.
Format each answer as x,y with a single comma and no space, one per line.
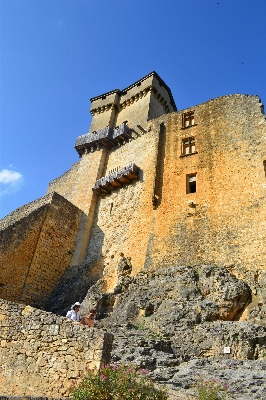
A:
228,97
145,99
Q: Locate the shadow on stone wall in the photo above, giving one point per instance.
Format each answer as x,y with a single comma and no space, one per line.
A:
75,283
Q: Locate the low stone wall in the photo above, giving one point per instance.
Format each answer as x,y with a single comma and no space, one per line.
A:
42,354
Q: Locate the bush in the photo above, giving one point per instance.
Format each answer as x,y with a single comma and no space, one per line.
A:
117,383
210,389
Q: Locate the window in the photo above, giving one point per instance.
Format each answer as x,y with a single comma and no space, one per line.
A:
188,119
188,146
191,183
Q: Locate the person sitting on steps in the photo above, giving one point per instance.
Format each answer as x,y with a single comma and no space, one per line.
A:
89,319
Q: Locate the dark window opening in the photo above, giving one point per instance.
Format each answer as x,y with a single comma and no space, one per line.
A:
191,183
192,187
188,119
264,164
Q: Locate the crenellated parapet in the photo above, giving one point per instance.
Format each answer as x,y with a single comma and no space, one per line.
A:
116,179
146,99
135,97
106,136
142,93
104,108
129,101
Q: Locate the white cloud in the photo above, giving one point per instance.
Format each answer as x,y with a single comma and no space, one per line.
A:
8,176
10,181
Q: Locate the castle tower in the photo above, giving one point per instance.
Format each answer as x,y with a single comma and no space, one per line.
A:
145,99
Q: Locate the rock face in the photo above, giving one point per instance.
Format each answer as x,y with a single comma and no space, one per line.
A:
172,297
245,379
175,322
256,279
176,362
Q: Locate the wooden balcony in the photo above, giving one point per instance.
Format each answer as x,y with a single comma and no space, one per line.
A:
116,179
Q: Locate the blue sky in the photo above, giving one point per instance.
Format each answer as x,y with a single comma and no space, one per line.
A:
56,55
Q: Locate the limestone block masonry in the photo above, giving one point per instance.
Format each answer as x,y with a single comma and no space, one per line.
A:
37,243
223,221
42,354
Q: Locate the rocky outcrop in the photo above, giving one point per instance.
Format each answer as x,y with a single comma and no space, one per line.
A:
173,297
256,279
245,379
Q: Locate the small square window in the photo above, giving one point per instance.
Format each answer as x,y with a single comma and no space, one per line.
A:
191,183
188,146
188,119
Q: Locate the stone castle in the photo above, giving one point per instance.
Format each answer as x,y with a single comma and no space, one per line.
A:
155,188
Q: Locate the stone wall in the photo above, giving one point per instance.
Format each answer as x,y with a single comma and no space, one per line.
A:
103,110
137,112
65,182
76,187
223,222
41,354
123,218
24,211
37,242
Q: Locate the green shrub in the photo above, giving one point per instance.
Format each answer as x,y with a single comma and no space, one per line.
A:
210,389
123,382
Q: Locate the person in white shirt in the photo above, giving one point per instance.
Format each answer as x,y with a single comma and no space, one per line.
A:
73,313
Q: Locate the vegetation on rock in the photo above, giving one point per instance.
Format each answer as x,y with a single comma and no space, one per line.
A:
113,382
210,389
